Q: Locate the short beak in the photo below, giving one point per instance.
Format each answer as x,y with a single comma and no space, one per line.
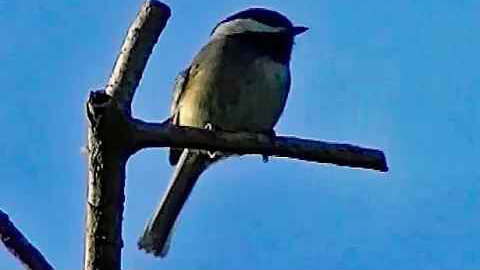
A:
297,30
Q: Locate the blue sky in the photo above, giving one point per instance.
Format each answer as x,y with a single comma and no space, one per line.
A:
401,76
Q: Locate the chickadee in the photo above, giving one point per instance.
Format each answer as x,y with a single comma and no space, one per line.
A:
239,81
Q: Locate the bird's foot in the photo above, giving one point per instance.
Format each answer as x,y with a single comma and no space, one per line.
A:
214,154
271,134
209,126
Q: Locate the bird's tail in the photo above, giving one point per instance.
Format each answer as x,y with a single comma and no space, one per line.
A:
159,229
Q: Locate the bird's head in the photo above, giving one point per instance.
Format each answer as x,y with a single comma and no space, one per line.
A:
256,20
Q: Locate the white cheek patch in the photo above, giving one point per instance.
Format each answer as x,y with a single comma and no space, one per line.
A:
244,25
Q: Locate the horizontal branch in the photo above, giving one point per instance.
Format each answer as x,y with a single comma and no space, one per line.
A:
166,135
20,247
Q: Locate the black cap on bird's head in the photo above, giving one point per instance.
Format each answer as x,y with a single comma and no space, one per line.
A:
260,20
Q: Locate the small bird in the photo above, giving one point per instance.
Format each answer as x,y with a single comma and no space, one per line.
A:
239,81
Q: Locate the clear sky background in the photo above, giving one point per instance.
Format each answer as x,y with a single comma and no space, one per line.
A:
400,76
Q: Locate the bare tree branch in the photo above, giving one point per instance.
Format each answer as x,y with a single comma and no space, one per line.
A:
108,140
136,49
165,135
20,247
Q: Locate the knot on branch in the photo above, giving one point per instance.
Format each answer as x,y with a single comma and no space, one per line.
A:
109,122
97,102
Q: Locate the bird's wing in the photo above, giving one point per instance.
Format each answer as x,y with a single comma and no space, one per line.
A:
178,88
182,84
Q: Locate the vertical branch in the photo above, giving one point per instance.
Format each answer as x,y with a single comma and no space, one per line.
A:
110,140
106,182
